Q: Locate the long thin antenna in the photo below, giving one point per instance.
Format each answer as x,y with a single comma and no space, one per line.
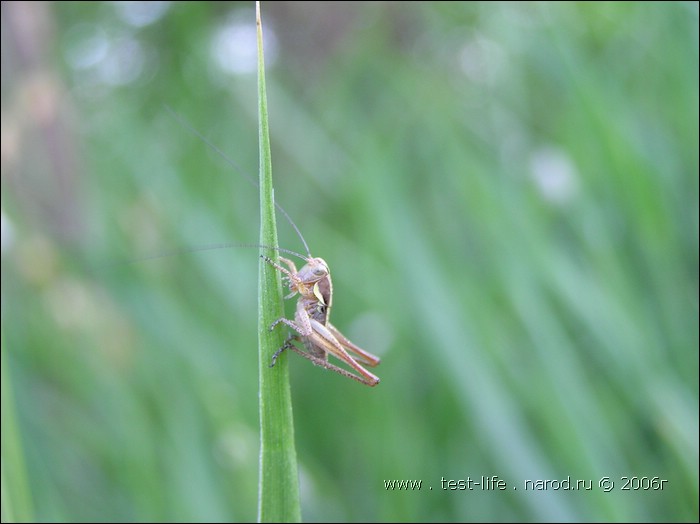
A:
240,170
207,247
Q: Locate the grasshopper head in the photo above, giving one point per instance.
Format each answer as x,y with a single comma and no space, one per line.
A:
313,271
313,282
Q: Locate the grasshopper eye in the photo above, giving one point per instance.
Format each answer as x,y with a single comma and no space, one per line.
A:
320,271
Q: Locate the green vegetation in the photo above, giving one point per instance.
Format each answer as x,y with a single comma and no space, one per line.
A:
507,196
278,495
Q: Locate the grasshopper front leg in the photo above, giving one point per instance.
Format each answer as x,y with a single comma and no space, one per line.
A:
290,274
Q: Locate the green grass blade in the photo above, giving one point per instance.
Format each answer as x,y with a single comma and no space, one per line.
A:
16,499
278,495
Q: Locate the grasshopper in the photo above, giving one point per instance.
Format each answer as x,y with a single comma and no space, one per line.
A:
311,324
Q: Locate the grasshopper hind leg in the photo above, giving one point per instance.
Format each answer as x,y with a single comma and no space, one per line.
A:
287,345
321,362
311,351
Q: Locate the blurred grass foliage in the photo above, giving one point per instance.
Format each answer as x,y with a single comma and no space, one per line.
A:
507,195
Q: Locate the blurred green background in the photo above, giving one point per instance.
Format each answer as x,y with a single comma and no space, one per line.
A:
507,195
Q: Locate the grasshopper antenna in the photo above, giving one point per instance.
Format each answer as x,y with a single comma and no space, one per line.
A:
196,249
242,172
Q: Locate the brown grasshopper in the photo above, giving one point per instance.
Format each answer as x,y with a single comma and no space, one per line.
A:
313,284
311,325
